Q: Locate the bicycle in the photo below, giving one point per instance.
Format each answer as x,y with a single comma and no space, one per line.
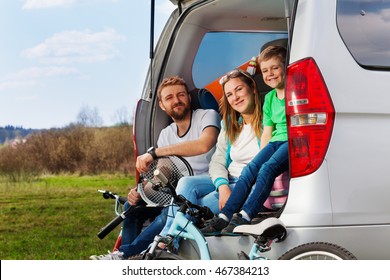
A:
267,231
160,192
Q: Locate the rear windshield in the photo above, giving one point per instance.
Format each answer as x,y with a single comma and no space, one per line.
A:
221,52
365,28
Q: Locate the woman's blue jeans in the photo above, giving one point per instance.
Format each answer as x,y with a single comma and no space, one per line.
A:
269,163
198,190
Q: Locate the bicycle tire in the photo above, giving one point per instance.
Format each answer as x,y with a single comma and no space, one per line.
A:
161,255
318,251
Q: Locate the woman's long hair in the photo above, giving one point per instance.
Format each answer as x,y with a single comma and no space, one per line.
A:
231,118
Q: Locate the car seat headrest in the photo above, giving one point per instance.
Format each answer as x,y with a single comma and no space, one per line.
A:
203,99
278,42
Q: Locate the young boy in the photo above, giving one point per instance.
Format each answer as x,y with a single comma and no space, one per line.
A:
246,201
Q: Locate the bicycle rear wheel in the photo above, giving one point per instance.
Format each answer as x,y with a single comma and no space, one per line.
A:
318,251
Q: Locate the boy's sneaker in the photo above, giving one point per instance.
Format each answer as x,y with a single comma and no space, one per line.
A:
214,227
264,215
116,255
236,220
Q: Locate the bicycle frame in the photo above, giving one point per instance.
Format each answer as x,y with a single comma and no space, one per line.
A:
265,232
183,227
257,250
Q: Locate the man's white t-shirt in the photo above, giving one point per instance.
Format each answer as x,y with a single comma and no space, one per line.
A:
200,119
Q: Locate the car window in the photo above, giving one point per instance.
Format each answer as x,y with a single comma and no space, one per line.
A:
365,28
221,52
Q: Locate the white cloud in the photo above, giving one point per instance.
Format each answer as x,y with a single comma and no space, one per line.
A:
32,77
77,47
43,4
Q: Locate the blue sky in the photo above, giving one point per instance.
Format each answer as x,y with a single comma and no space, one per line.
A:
59,56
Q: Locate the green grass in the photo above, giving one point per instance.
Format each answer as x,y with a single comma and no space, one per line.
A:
57,217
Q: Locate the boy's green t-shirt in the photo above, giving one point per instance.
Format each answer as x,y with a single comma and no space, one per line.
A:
274,114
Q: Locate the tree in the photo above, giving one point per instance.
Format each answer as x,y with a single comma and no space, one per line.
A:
122,117
89,117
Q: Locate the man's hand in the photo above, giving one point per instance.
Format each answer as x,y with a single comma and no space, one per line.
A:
143,162
224,193
133,197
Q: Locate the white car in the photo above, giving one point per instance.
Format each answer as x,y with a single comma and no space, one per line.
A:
338,54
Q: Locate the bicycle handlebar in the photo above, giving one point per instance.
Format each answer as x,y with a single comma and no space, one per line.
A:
119,218
203,211
110,226
107,194
122,199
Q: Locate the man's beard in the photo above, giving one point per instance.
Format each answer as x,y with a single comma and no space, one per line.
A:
179,116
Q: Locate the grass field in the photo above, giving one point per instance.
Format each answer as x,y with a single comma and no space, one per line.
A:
57,217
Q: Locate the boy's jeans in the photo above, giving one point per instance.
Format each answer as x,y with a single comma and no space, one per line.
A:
270,162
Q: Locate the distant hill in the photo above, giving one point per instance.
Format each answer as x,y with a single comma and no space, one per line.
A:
10,132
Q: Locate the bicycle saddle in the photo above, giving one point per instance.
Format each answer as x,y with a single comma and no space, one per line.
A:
271,228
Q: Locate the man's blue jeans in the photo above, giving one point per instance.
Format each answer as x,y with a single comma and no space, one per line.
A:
134,241
270,162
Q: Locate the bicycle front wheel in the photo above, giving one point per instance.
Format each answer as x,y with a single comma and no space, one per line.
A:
318,251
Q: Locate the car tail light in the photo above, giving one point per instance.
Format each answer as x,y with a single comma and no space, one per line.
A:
310,117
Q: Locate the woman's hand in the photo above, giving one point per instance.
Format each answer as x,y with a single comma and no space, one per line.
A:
224,193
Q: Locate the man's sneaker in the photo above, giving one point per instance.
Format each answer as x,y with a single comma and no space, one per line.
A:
236,220
116,255
215,226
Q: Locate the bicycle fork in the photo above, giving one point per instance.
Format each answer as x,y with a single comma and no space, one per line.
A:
181,227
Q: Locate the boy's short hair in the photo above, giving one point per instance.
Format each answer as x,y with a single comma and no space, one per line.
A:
171,81
273,51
